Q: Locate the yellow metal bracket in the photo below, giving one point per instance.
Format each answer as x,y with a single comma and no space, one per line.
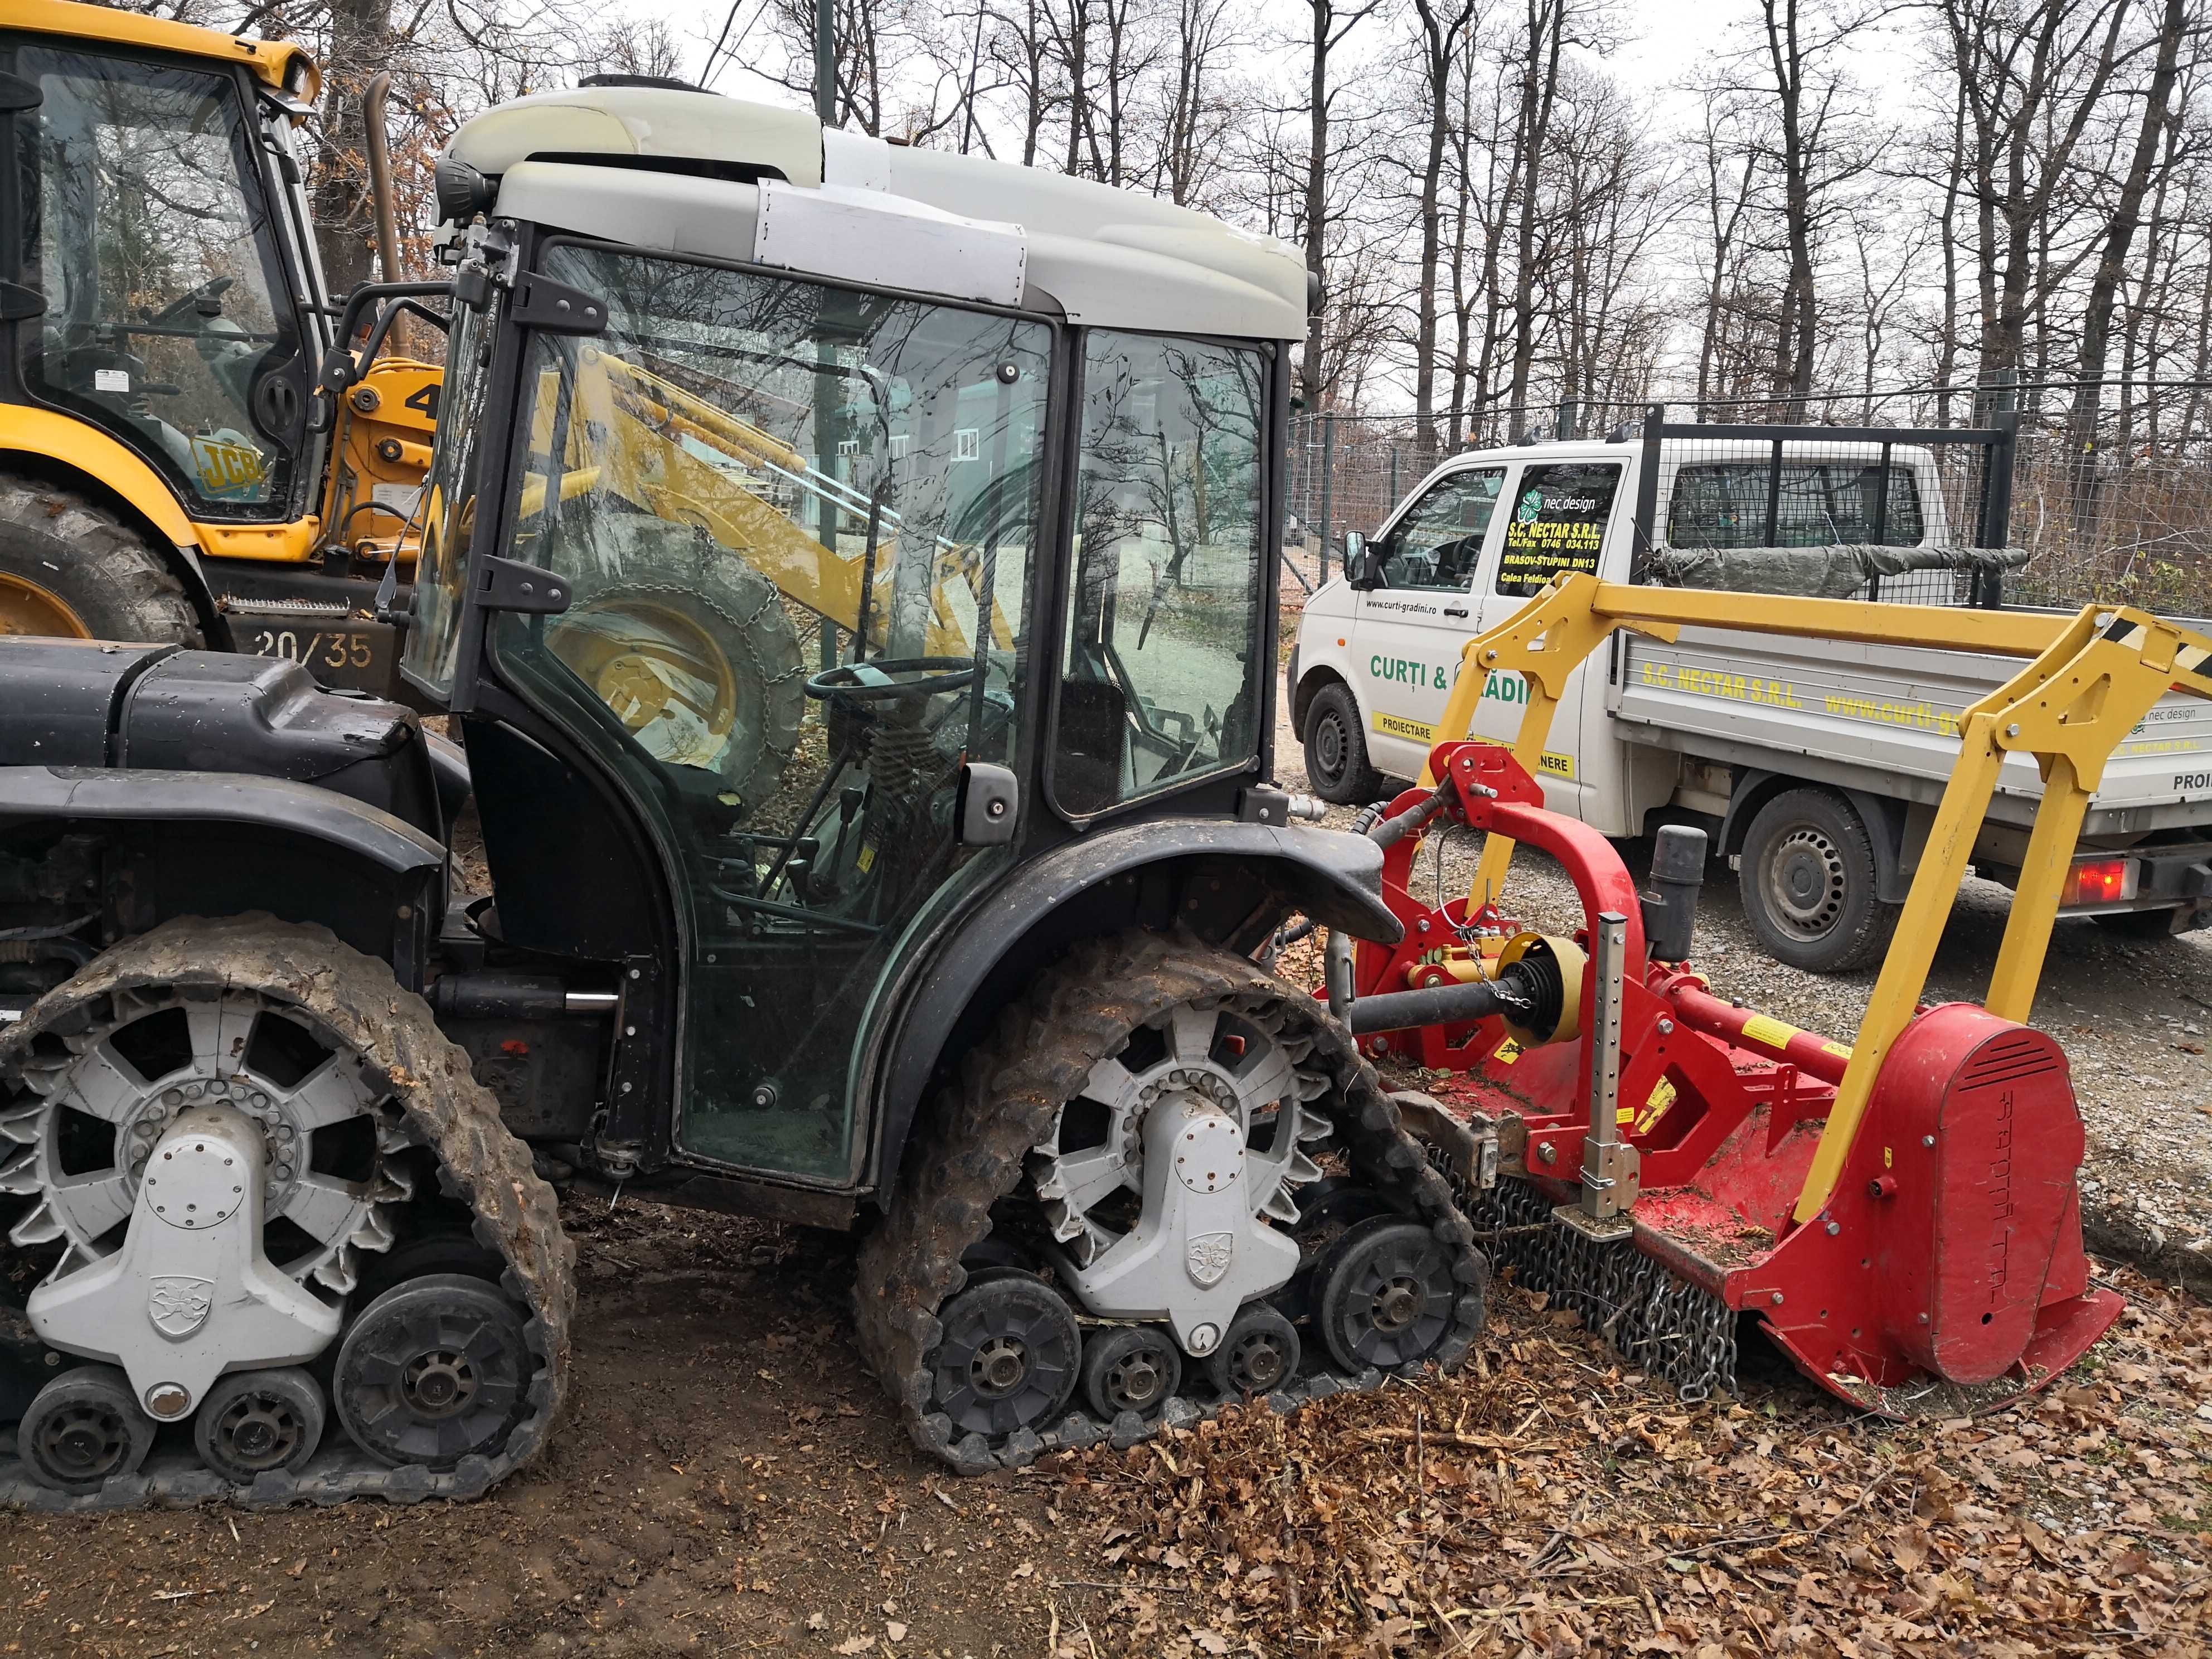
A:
2089,681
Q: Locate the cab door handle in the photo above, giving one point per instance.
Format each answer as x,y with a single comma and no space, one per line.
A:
1454,610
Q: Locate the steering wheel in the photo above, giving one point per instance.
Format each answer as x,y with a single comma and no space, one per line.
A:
214,289
872,682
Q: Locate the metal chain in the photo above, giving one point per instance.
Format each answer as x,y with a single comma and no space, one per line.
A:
1667,1326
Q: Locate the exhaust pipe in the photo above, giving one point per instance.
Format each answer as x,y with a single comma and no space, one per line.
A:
379,173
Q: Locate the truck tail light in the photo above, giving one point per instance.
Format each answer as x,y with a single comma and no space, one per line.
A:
2099,881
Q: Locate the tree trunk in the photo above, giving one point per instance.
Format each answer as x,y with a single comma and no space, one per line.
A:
2111,266
344,214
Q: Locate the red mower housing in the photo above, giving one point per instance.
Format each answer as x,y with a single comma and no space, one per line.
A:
1945,1274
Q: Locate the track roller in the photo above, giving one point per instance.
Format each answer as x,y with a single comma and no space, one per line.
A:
1259,1355
432,1372
1011,1354
255,1421
84,1430
1134,1369
1383,1295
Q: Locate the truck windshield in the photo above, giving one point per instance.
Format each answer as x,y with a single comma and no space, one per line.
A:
149,240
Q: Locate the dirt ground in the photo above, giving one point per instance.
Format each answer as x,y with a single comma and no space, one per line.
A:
728,1480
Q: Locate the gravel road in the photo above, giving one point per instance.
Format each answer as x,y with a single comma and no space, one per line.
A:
2134,1018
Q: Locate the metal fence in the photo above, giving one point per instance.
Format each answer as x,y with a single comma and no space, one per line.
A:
2125,518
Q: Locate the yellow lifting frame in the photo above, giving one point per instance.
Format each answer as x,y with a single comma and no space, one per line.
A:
2090,680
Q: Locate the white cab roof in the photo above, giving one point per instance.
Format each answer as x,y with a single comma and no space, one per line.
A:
1111,258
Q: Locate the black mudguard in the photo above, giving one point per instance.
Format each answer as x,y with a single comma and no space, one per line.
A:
1232,883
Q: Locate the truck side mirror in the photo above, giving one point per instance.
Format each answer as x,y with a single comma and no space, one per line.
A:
1362,564
989,804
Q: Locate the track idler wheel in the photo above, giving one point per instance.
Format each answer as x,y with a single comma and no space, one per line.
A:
1010,1358
84,1430
1136,1368
1259,1355
432,1372
252,1422
1384,1295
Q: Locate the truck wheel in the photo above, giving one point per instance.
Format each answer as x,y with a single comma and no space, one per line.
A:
1336,749
70,568
1808,883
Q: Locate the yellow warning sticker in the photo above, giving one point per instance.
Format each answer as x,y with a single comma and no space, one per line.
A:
1662,1096
1397,725
1506,1052
1765,1028
1837,1049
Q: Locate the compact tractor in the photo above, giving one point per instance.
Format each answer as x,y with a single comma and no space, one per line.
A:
1900,1214
946,937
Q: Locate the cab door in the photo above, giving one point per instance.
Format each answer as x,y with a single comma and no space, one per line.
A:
1564,516
1411,629
150,282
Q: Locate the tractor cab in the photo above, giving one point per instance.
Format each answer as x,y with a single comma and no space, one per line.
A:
857,520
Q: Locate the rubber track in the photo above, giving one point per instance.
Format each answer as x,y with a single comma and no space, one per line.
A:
355,1001
966,1151
123,561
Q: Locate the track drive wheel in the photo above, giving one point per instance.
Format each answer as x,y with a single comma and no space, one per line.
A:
1128,1043
84,1430
371,1125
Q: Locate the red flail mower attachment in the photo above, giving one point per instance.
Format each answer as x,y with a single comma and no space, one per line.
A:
1658,1151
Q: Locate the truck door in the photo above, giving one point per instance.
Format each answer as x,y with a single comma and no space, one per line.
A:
1410,630
1562,518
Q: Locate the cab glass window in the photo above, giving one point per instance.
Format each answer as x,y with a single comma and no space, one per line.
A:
1160,683
1438,542
1821,504
148,238
448,511
1558,527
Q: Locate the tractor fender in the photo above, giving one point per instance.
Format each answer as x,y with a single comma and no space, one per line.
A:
218,843
1232,883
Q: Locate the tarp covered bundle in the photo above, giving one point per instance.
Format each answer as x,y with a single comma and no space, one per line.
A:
1814,573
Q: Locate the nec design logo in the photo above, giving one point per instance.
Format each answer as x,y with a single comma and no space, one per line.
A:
1209,1258
179,1305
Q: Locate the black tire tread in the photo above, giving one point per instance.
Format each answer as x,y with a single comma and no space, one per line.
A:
128,586
967,1147
356,1001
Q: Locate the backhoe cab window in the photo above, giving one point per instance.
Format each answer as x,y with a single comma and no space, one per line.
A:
798,524
1161,679
147,236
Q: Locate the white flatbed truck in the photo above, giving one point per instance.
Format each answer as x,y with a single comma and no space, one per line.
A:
1815,765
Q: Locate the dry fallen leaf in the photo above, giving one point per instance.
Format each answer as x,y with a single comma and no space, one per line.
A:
895,1631
855,1644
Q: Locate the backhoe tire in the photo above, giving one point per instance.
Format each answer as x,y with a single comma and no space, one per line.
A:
1337,766
1807,880
693,650
71,567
